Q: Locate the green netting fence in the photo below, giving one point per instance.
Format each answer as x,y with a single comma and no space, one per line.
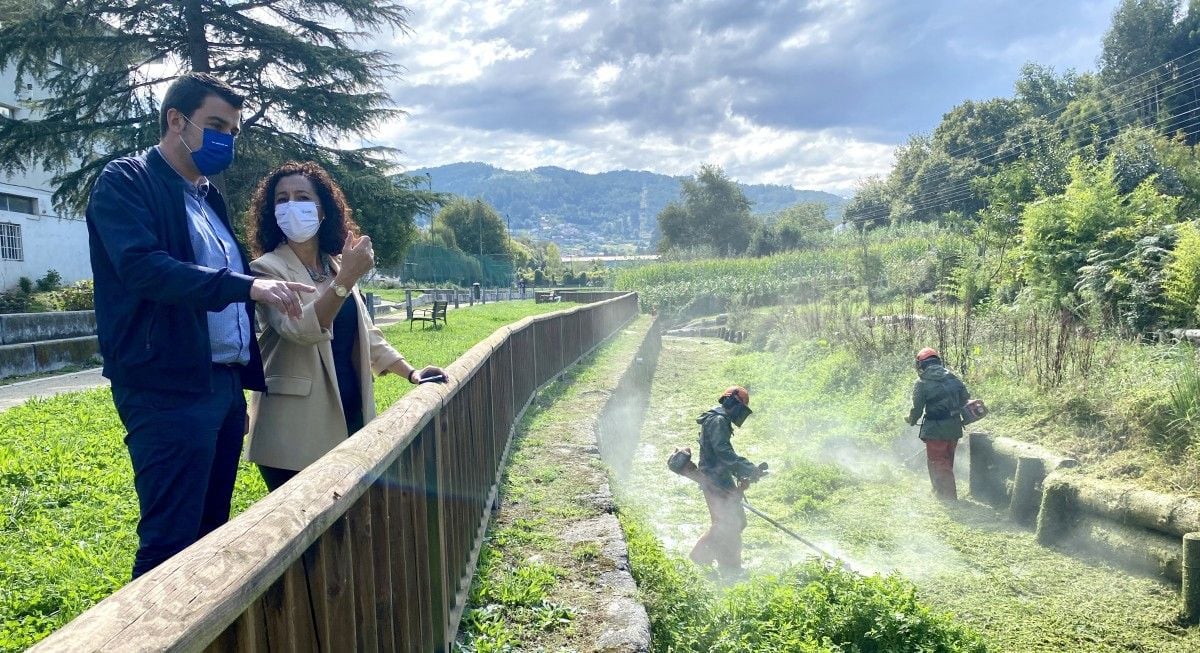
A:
433,264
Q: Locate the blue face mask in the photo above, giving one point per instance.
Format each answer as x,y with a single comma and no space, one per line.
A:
215,153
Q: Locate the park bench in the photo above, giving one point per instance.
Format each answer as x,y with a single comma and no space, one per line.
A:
432,314
546,297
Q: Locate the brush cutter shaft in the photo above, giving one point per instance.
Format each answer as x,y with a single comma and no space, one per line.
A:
787,530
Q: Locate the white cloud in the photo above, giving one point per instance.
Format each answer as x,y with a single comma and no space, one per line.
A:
814,94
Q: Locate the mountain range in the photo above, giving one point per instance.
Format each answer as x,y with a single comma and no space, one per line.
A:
610,211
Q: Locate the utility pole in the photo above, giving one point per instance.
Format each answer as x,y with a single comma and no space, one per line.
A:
429,181
479,225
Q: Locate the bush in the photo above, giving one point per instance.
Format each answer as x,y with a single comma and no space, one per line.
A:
25,284
14,301
51,282
79,296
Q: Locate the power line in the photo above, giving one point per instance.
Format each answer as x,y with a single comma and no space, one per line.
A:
1160,94
1182,121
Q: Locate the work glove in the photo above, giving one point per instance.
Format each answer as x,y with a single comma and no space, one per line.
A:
758,473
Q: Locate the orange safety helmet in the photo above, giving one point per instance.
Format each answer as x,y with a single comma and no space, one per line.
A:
927,353
739,393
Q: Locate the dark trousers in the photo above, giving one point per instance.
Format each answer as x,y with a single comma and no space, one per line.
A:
939,455
184,448
723,540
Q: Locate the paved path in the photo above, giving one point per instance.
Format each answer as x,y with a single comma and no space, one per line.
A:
18,393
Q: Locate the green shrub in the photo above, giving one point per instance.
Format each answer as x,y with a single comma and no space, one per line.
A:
807,608
1181,286
79,296
51,282
14,301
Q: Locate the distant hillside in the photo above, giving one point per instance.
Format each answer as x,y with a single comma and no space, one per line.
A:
592,211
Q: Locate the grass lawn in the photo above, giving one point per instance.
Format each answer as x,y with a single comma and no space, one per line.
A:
67,505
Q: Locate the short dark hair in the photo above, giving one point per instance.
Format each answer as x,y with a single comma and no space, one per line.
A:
264,232
189,91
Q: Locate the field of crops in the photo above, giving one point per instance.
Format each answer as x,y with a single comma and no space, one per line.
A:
895,262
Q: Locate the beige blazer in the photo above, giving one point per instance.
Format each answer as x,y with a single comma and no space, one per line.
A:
300,417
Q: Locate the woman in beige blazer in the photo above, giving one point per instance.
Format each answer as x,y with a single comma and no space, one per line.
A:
319,367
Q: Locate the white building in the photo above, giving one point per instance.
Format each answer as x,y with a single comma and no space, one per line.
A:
34,237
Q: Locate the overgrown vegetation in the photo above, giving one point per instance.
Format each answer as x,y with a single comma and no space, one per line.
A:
47,294
67,505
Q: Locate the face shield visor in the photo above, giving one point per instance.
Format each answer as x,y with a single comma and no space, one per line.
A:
736,411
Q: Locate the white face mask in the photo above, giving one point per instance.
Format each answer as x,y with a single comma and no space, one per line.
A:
298,220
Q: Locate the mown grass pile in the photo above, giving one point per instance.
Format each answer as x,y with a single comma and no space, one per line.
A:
67,506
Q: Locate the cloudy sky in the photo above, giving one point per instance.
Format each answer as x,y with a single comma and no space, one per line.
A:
810,93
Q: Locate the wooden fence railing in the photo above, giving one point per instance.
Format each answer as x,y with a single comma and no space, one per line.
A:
372,548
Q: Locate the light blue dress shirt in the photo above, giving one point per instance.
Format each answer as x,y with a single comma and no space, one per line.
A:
229,330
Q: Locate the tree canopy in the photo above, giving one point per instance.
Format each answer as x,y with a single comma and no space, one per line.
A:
309,88
713,213
477,228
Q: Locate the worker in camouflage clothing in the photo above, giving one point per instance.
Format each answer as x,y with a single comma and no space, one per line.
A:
939,397
726,477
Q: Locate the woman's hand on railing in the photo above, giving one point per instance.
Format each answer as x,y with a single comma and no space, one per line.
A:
428,374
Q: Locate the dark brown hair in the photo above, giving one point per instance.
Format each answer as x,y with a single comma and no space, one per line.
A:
264,232
189,91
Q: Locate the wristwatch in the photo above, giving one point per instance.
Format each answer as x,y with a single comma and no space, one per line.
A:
340,290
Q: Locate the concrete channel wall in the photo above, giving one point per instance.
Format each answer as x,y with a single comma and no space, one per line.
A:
45,342
1148,532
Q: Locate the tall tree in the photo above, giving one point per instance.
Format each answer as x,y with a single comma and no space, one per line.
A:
1042,92
309,88
1140,40
714,212
478,230
871,204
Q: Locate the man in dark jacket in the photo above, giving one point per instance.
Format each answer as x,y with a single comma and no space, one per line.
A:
175,315
939,396
726,476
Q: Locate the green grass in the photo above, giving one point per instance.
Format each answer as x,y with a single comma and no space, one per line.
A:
67,505
809,607
442,346
900,260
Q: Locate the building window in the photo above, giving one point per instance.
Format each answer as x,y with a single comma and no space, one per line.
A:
18,204
7,112
10,242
